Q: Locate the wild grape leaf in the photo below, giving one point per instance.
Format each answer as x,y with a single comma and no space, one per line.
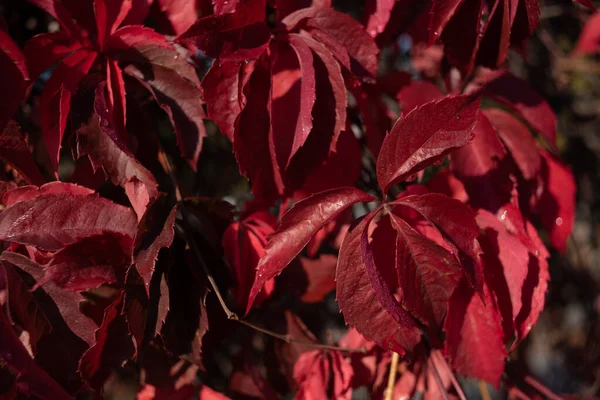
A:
97,141
181,14
234,36
323,372
44,50
303,99
507,263
15,151
556,206
31,379
113,346
336,80
251,137
320,275
474,342
286,7
417,93
496,37
109,15
480,157
516,94
67,302
52,221
456,221
147,253
518,140
347,31
377,14
357,297
427,274
244,244
586,3
22,193
223,85
90,262
425,135
297,226
14,78
589,39
179,98
56,98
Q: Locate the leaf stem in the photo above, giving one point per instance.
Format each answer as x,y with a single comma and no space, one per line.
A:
389,391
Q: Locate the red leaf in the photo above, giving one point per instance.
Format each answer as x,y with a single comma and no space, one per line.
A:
474,341
556,206
518,140
22,193
179,98
116,101
417,93
480,157
31,379
44,50
14,150
61,13
320,274
336,80
181,13
56,98
507,261
14,78
113,346
302,99
297,226
346,30
235,36
109,15
427,274
52,221
425,135
67,302
516,94
90,262
244,244
496,36
586,3
99,141
286,7
147,255
323,372
457,223
357,297
377,15
223,85
589,39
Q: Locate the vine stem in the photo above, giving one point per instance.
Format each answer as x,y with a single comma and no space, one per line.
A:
166,162
389,391
485,394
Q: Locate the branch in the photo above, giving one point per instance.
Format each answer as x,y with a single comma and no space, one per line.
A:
389,391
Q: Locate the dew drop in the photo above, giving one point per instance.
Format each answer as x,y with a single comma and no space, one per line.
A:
458,117
438,162
558,221
411,178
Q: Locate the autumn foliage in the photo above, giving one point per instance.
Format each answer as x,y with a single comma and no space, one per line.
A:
426,201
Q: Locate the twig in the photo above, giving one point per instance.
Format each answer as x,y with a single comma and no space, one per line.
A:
389,391
485,394
516,393
442,360
438,378
230,314
542,389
